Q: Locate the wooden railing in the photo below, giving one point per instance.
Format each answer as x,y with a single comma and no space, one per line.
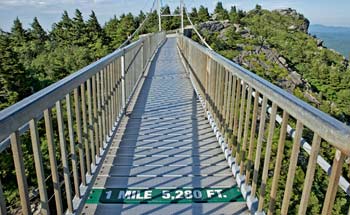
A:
74,144
245,112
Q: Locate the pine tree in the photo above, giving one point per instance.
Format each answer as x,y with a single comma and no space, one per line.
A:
79,29
166,21
140,18
221,12
233,15
203,14
14,84
194,15
37,32
126,27
97,37
111,28
176,20
62,32
38,38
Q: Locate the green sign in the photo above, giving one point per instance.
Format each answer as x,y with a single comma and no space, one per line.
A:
164,196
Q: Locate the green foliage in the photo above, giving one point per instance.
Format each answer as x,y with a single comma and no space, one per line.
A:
221,12
327,77
203,14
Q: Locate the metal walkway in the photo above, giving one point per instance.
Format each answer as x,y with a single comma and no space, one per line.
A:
166,142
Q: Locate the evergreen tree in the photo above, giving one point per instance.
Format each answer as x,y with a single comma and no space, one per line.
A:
126,27
152,24
111,29
18,34
221,12
140,18
97,37
36,45
62,32
167,20
176,20
194,15
79,29
14,84
233,15
203,14
37,32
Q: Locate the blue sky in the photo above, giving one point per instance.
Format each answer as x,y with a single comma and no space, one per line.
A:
49,11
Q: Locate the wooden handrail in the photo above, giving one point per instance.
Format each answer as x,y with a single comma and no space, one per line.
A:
227,90
84,124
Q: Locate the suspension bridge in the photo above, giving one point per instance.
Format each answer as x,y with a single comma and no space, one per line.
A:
164,125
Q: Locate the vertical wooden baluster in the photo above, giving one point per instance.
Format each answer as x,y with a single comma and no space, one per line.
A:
259,146
311,167
228,105
240,124
211,83
236,114
38,161
267,157
2,201
118,94
20,172
246,129
108,104
221,97
292,168
117,88
225,94
214,75
108,101
103,107
216,93
91,123
80,136
115,108
142,57
333,182
123,86
85,128
216,96
96,114
278,164
64,159
53,163
110,98
111,82
72,146
99,110
207,86
113,93
232,105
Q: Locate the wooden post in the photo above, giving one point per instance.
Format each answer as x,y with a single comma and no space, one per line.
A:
123,82
53,162
38,161
20,172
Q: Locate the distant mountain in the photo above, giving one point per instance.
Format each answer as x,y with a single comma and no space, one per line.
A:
337,38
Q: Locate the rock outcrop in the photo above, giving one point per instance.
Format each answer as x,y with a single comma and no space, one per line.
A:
214,26
293,79
304,26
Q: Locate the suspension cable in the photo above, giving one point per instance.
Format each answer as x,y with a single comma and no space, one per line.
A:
139,28
194,28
